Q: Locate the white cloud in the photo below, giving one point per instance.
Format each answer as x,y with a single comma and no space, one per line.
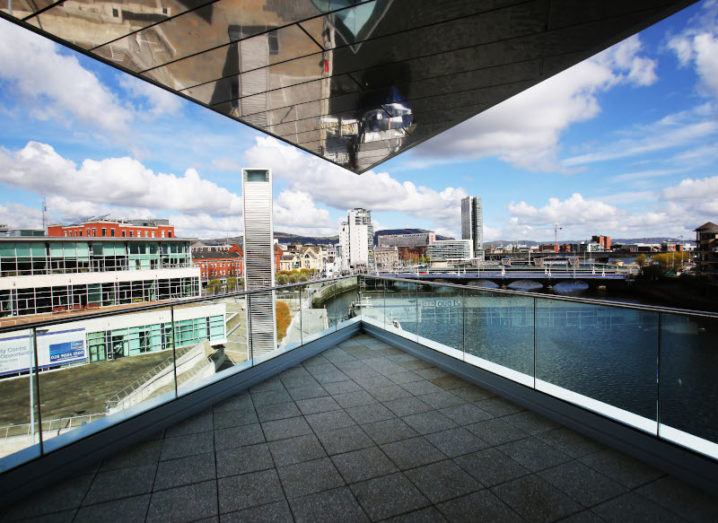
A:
697,45
54,83
121,181
574,210
341,189
525,130
158,101
17,216
296,211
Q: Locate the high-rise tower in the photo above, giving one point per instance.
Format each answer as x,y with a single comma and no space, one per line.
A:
472,223
356,237
259,258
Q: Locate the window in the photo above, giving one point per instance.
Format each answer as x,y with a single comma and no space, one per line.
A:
169,234
123,234
273,41
112,232
115,13
132,233
104,232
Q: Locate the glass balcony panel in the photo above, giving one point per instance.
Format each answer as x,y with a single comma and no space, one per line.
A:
371,301
315,321
600,357
440,320
342,306
101,371
211,341
499,334
687,382
400,309
289,322
19,429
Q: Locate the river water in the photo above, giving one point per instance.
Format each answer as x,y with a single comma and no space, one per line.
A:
610,354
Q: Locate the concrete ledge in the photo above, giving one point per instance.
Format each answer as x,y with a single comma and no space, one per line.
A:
55,465
683,463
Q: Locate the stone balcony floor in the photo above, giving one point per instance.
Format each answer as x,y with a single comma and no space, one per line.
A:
366,432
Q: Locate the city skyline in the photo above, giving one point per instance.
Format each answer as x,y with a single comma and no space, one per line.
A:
621,144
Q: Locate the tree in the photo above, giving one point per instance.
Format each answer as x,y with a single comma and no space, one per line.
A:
641,260
283,319
213,286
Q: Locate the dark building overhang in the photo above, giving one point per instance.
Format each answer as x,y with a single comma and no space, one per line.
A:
352,82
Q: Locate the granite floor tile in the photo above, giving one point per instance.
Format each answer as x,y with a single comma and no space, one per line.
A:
449,382
354,399
342,387
634,508
498,406
249,490
535,499
423,515
405,376
271,384
490,508
328,506
242,460
188,445
309,477
533,454
307,392
442,481
315,405
388,496
418,388
457,441
582,484
326,421
239,402
496,431
276,512
363,464
472,393
570,442
224,419
530,422
188,503
270,397
286,428
442,400
296,450
141,454
126,510
389,431
277,411
619,467
65,495
239,436
407,406
428,422
344,440
369,413
389,393
183,471
491,467
331,377
681,498
465,414
121,483
414,452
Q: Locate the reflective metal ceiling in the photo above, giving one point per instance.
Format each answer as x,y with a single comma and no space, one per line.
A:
350,81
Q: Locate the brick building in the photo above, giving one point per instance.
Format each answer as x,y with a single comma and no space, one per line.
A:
115,229
217,264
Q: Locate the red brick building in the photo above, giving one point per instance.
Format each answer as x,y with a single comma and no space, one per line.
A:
217,264
115,229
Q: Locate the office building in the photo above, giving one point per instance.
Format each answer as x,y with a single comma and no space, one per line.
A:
356,237
259,258
106,228
411,240
449,250
472,224
386,258
707,249
604,241
217,264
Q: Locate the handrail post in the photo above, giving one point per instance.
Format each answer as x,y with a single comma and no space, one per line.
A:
174,349
36,371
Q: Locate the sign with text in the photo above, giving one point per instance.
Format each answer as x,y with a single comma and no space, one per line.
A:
53,349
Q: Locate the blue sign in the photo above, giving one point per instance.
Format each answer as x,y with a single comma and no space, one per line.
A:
67,351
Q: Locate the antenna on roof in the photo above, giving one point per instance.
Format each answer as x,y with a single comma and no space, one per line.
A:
44,212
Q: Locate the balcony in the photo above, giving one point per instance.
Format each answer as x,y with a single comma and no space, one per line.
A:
384,398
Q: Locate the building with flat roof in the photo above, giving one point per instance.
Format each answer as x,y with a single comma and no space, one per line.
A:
214,264
356,237
411,240
449,250
707,249
107,228
386,258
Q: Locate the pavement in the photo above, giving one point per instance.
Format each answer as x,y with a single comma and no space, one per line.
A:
366,432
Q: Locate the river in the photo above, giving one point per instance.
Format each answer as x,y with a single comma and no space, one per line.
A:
603,352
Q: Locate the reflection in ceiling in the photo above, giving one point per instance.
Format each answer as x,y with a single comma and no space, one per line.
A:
354,82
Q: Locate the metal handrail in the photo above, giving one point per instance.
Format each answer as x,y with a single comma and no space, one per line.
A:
571,299
159,305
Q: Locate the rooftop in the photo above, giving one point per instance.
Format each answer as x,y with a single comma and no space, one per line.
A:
368,432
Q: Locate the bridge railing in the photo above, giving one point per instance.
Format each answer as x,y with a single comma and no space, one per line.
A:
652,368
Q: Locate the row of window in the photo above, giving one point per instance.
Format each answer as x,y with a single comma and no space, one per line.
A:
21,302
131,233
131,341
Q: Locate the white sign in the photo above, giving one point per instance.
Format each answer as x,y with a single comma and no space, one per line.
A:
53,349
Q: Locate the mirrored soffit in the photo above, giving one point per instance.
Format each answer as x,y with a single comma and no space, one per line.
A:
352,82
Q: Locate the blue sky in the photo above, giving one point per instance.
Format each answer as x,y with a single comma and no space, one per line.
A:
623,144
